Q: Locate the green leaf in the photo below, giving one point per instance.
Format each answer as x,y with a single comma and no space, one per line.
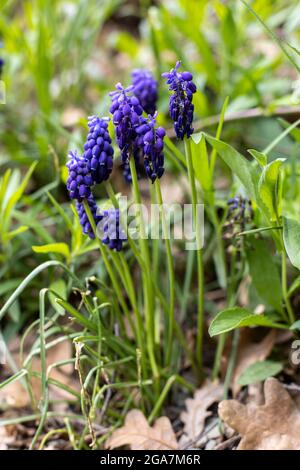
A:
291,238
238,317
10,235
295,286
260,157
61,248
58,288
281,136
81,319
279,42
295,326
61,212
200,161
264,273
269,190
15,197
125,42
239,165
259,371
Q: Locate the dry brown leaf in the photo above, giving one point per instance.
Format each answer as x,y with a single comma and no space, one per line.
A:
14,395
137,434
250,352
5,438
272,426
196,410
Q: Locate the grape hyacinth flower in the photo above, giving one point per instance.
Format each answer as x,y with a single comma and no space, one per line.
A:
145,89
98,150
127,114
80,180
83,217
181,106
114,235
1,65
151,139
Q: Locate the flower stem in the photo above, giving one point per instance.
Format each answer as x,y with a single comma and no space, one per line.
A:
108,267
200,271
146,274
171,275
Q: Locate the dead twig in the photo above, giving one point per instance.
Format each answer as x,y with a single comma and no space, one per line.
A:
244,114
228,443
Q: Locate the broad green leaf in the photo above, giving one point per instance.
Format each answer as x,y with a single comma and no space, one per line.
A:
200,161
238,317
269,189
239,165
61,248
264,273
260,157
295,326
291,238
259,371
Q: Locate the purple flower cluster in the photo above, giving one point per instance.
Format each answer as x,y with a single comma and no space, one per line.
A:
151,139
114,235
84,221
181,106
80,180
94,166
98,151
127,112
145,89
1,65
138,137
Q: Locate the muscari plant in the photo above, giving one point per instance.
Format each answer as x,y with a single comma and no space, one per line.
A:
123,301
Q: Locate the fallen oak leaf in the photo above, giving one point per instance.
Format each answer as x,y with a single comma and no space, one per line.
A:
272,426
196,410
137,433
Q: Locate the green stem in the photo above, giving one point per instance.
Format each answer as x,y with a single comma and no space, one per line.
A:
170,272
231,363
155,241
45,392
146,274
115,202
284,288
106,261
165,391
139,322
200,272
231,297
